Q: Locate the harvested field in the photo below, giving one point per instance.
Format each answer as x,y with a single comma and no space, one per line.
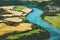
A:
4,29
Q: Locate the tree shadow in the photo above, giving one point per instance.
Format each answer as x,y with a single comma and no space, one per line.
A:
52,13
37,36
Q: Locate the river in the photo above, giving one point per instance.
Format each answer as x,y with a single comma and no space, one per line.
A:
35,17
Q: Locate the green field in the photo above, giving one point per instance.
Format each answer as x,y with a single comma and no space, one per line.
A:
18,8
19,35
54,20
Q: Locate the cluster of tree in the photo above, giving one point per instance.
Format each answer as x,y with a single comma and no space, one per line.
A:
16,2
56,2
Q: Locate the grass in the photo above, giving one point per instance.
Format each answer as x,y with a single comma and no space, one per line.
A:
54,20
12,37
18,8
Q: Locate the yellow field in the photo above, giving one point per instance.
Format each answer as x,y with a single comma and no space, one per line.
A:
4,29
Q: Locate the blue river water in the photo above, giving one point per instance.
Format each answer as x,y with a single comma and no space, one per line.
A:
35,17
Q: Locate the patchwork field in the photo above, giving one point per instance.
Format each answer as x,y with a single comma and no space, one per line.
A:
21,29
